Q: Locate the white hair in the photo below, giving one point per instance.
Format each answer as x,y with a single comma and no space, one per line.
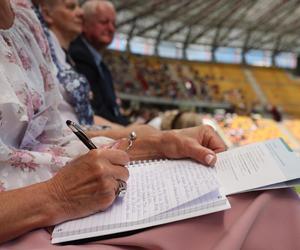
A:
90,7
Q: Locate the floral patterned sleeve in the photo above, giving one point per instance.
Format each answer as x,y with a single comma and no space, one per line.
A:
32,135
19,167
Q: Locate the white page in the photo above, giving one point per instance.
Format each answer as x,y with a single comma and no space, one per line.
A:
153,188
285,184
209,203
256,165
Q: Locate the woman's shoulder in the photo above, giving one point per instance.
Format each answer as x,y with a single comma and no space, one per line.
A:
24,17
26,28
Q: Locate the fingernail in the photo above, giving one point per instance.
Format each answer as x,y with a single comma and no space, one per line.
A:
209,158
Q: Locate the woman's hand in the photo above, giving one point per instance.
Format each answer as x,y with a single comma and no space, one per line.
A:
199,143
87,184
206,136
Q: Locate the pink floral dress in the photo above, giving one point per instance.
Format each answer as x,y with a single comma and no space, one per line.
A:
33,138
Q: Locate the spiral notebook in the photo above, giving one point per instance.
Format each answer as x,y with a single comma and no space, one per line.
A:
164,191
158,192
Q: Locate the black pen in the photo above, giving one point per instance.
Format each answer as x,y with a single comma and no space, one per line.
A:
78,131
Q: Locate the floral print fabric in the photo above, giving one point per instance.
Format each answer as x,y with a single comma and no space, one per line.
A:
33,140
78,89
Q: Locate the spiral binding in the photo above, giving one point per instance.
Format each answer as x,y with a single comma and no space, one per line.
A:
145,162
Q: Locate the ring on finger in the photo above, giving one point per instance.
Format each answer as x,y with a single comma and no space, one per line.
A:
122,187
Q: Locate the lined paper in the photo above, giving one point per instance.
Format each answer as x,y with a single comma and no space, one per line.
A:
156,191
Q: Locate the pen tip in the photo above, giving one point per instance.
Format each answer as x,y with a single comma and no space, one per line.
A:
68,122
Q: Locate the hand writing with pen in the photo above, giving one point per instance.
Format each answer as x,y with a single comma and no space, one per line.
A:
91,182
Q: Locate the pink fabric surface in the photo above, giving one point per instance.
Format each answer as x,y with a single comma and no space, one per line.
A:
257,220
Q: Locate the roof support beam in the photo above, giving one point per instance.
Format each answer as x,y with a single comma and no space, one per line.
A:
157,41
169,16
265,17
213,53
186,43
127,5
238,20
194,19
287,13
246,24
275,50
214,46
229,11
292,44
133,26
245,47
294,27
147,11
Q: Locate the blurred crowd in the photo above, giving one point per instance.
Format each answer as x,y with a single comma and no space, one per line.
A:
174,80
136,74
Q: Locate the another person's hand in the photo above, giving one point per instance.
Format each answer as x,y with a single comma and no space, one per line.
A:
199,143
87,184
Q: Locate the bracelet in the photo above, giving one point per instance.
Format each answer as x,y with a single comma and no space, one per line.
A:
131,138
116,144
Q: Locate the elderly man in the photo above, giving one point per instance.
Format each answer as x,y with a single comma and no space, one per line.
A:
98,33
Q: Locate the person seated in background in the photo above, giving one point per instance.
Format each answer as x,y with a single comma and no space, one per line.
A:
34,147
46,176
275,112
62,22
99,19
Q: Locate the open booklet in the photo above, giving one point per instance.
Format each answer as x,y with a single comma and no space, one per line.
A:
164,191
264,165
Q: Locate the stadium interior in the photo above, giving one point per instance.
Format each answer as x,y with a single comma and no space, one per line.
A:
233,62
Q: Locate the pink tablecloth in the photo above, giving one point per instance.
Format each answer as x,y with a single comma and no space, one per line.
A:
260,220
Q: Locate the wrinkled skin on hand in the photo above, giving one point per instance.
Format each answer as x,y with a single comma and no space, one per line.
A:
88,184
199,143
206,136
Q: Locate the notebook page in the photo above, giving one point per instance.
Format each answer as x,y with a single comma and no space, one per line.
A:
209,203
205,201
161,188
153,188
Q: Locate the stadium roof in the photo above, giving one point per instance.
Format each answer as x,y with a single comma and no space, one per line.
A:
247,24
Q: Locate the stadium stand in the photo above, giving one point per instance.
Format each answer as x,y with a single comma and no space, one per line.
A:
280,90
165,60
181,79
213,82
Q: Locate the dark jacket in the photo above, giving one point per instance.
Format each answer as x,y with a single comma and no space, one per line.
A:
104,98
